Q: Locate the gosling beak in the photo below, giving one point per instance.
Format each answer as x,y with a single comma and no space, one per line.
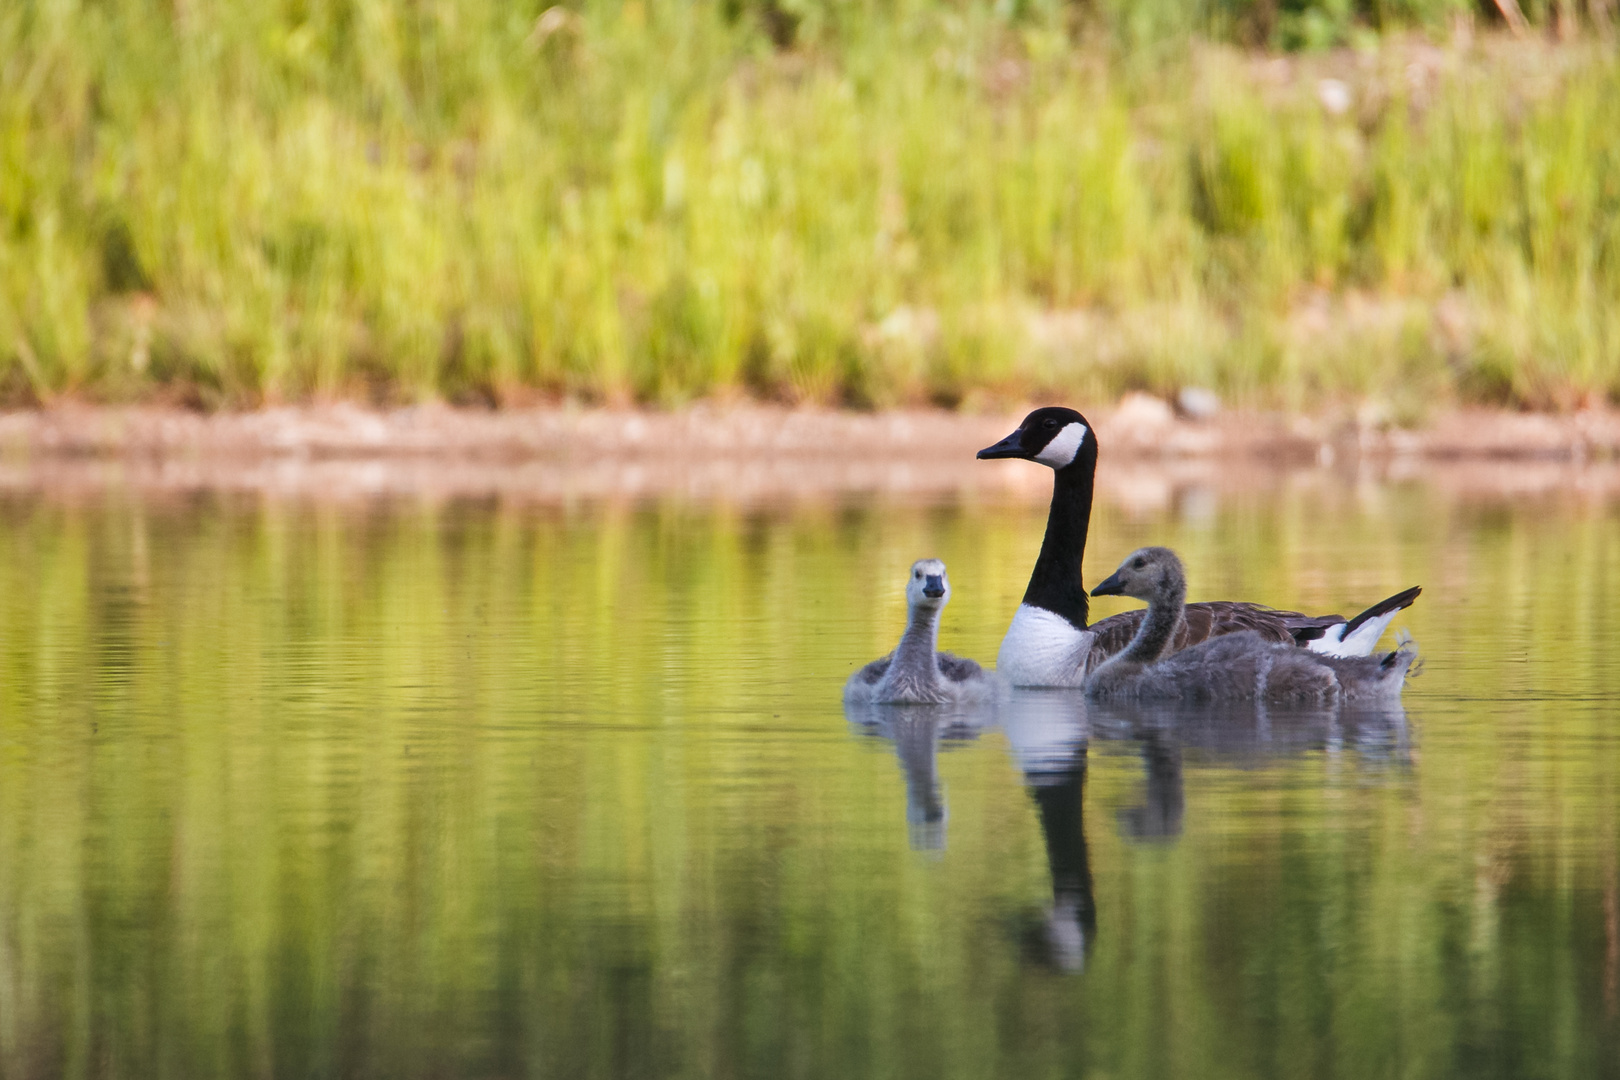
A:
1010,447
1113,585
933,586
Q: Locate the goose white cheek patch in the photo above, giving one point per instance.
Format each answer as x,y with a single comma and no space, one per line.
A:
1063,447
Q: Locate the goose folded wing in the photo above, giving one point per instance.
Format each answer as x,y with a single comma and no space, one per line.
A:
1213,619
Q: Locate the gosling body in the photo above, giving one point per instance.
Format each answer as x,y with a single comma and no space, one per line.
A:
916,672
1239,666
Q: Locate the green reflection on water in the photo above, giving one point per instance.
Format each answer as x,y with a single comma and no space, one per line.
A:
479,789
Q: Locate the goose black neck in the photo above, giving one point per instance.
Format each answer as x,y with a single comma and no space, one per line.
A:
1055,584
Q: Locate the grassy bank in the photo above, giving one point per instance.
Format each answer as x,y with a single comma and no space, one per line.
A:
492,202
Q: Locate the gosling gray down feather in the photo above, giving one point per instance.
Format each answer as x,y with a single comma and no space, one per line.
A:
1234,667
916,673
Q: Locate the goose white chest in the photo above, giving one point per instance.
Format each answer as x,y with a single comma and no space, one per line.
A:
1043,649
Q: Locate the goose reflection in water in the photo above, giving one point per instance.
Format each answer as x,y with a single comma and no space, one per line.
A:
1248,731
1158,816
1252,733
917,732
1047,733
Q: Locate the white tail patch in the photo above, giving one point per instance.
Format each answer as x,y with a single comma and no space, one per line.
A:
1361,643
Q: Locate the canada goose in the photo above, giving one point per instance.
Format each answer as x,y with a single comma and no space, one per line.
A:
1232,667
915,673
1049,642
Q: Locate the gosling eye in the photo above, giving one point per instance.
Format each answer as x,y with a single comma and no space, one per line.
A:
918,575
1139,564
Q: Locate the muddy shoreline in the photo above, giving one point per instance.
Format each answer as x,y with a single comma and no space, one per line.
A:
750,453
1139,427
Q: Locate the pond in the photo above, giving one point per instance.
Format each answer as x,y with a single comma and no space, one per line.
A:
309,786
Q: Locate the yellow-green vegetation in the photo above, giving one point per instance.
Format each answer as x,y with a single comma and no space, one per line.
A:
858,203
480,790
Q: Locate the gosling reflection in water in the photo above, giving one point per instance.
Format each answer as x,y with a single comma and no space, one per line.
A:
1245,730
1252,732
917,732
1048,734
1158,815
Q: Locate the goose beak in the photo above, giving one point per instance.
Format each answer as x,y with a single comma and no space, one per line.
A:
933,586
1113,585
1010,447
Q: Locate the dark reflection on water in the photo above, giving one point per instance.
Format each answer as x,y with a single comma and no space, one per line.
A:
479,789
1057,785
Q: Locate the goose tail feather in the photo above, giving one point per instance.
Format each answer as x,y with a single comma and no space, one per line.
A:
1360,635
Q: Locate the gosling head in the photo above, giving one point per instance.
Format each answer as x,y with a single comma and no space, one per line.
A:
928,587
1054,436
1148,573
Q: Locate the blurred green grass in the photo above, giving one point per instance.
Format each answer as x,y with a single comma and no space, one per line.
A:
855,203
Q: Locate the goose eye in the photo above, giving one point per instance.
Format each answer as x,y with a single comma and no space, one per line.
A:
1051,423
1138,564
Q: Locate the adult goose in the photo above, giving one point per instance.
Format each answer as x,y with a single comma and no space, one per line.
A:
1050,642
916,673
1234,667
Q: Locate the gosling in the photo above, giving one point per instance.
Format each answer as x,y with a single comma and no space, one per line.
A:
916,673
1233,667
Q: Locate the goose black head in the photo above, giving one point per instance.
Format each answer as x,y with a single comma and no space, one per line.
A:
1148,573
1053,436
928,586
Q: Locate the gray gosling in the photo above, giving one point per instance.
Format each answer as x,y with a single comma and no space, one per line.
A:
916,673
1234,667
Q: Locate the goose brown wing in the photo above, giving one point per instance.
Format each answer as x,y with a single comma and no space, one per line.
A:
1213,619
1210,620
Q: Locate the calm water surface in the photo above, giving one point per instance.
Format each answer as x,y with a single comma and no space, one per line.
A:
293,788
